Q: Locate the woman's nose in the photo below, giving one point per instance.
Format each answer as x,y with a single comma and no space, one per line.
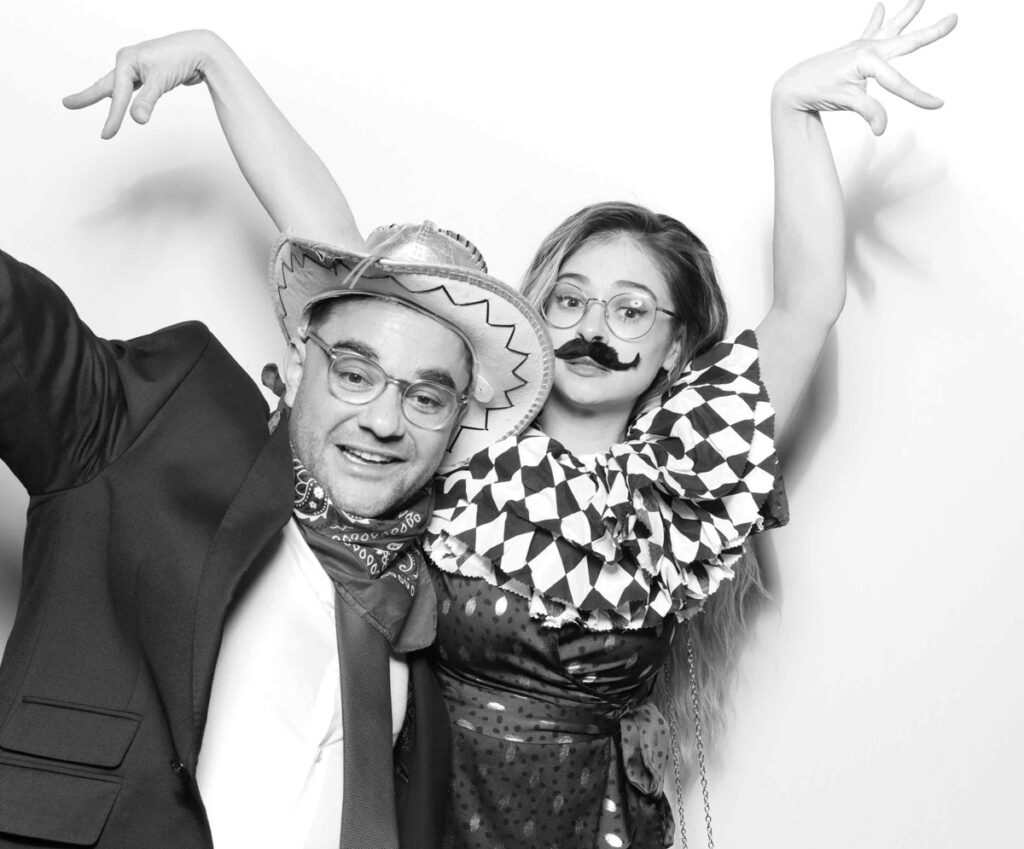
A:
592,325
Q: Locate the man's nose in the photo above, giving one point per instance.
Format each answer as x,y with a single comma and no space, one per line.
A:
383,415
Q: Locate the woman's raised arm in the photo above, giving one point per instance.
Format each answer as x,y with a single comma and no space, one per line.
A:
287,176
809,239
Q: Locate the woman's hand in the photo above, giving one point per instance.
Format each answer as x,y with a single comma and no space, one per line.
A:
808,257
837,80
152,68
286,175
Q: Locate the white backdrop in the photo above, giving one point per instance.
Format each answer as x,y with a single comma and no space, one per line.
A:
878,705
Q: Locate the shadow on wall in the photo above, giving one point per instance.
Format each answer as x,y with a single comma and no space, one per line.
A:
886,190
187,191
887,182
205,203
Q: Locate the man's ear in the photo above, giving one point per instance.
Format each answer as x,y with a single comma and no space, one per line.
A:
456,426
294,363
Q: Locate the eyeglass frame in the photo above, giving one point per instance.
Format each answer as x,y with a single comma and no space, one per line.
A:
604,302
461,398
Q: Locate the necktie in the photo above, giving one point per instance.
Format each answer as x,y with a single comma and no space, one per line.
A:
384,603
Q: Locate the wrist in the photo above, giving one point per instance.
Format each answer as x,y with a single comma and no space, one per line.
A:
785,96
790,112
212,52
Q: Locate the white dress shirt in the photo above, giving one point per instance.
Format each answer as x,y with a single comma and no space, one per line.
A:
271,766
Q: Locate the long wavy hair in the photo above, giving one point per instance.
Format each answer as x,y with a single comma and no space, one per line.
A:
719,631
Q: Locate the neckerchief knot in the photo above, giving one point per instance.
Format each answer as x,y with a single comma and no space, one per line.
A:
377,565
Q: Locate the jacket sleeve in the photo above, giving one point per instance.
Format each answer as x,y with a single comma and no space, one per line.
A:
71,402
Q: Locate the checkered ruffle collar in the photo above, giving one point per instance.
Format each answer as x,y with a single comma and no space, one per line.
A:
624,538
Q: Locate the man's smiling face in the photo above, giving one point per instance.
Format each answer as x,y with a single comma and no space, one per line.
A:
368,456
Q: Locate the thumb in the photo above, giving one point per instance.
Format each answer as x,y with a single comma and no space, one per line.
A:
145,101
871,111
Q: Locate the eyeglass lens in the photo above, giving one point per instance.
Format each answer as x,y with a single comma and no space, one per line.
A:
358,380
629,314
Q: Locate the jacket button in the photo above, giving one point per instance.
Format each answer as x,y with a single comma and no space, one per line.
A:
178,767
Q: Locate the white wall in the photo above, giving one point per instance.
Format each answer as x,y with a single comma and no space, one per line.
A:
878,706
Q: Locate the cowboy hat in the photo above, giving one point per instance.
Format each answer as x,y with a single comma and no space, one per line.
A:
439,273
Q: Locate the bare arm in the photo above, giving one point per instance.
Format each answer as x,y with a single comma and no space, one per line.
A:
809,239
289,179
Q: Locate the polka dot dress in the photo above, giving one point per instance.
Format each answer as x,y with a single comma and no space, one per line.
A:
551,728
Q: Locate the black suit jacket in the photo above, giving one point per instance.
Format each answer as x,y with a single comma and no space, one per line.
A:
154,484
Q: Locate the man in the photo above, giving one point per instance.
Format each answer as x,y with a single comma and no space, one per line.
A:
215,615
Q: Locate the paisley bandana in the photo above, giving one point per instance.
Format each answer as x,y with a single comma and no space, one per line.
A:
627,537
377,566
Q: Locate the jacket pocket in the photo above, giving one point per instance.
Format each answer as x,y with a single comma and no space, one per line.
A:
73,733
47,803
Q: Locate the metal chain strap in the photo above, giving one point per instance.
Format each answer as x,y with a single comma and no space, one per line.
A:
697,733
673,731
674,737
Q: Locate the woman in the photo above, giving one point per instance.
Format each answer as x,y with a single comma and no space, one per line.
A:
568,556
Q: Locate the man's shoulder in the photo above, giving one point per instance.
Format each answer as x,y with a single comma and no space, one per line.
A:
187,338
175,369
171,353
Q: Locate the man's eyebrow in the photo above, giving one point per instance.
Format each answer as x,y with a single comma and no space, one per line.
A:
356,347
436,375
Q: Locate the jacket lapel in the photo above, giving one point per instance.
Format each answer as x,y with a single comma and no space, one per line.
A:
259,510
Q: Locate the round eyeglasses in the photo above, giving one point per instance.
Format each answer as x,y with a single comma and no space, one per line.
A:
629,315
356,380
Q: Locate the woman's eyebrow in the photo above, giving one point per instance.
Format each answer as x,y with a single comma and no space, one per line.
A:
632,284
572,275
618,284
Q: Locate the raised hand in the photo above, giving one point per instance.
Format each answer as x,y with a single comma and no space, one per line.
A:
837,80
152,68
289,179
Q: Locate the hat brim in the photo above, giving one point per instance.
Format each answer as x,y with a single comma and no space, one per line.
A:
508,338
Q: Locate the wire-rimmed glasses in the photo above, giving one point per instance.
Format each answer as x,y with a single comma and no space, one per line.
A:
629,315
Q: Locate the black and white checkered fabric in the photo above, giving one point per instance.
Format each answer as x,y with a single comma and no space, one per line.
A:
624,538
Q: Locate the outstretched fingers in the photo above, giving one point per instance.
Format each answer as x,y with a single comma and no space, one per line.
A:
98,91
904,44
901,20
875,24
894,82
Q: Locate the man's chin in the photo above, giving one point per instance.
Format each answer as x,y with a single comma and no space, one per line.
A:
373,493
357,504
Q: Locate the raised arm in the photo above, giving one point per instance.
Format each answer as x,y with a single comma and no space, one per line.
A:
289,179
809,239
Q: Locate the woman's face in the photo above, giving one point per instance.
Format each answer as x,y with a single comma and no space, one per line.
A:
604,269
